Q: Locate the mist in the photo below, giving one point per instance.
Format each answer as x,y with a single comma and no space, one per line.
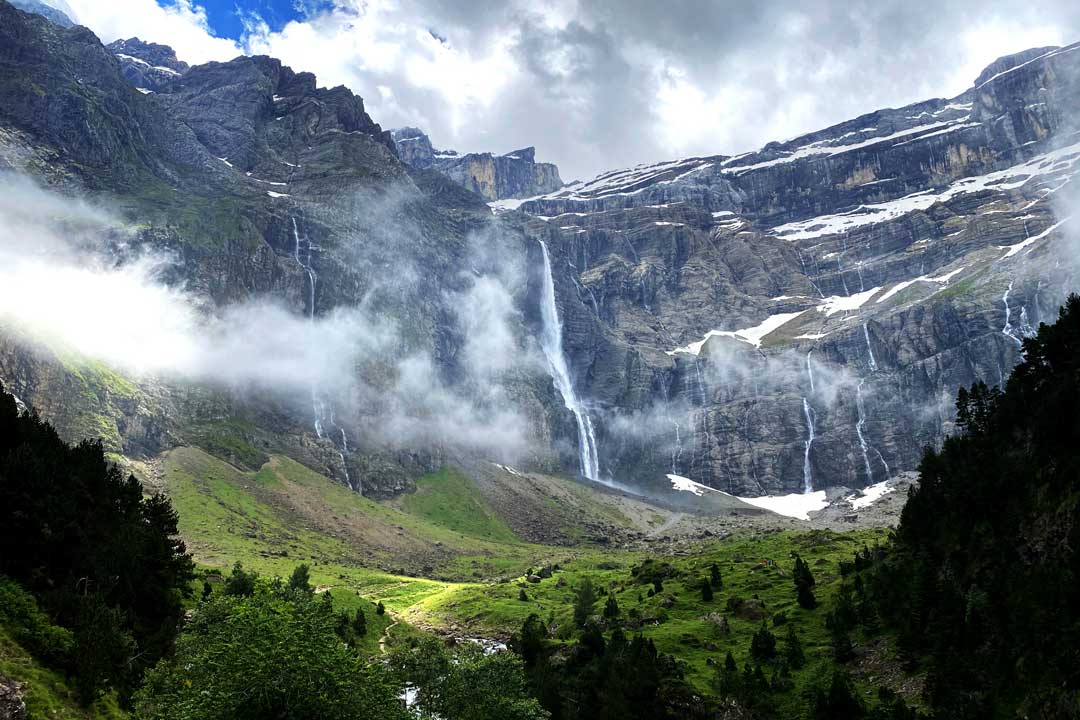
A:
71,282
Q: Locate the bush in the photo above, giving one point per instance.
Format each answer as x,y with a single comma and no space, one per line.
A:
273,654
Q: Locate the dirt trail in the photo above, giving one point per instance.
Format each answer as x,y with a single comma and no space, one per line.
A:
386,636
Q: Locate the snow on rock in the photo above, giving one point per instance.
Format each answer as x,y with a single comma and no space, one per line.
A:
752,336
1061,163
872,494
939,280
796,505
684,484
846,303
1014,249
273,194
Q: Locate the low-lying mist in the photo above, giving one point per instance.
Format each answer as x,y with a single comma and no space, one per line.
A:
70,281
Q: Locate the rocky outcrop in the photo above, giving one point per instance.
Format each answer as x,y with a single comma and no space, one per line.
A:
147,66
725,314
260,184
494,177
46,11
12,705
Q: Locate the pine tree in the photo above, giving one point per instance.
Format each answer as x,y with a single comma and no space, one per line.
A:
763,645
715,580
611,608
584,599
793,651
300,579
706,590
359,623
240,583
522,595
380,609
804,584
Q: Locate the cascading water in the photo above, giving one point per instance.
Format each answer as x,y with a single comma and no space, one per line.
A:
551,344
319,406
808,412
859,405
869,350
1009,331
676,452
808,473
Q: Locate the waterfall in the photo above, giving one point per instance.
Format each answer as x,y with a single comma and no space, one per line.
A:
1008,331
808,474
863,445
810,371
869,350
319,406
676,453
551,344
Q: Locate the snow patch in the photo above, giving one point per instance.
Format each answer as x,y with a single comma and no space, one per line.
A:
846,303
684,484
872,494
752,336
796,505
273,194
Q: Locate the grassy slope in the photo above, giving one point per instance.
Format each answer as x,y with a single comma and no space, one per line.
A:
449,499
286,514
752,567
47,693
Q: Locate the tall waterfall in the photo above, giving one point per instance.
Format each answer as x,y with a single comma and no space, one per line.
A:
319,405
808,473
1009,331
863,445
551,344
869,350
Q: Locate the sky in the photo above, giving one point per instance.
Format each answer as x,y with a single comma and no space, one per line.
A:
603,84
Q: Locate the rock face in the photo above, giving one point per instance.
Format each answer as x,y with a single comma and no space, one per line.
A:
46,11
799,317
148,66
260,184
803,316
12,705
494,177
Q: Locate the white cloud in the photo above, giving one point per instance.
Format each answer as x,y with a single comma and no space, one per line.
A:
596,85
182,25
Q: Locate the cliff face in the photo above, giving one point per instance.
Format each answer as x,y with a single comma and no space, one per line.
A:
845,284
799,316
260,185
494,177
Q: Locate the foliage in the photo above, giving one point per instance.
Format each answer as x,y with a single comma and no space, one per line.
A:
466,684
804,584
983,580
272,654
584,599
101,559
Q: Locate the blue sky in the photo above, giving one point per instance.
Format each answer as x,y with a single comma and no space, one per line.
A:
224,16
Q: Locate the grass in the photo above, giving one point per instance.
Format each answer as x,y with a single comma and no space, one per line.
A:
753,567
47,693
285,514
449,499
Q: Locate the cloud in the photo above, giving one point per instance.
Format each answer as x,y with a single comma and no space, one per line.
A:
181,24
599,84
71,280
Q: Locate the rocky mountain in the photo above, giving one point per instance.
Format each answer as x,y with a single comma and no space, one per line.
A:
494,177
147,66
790,319
47,11
802,316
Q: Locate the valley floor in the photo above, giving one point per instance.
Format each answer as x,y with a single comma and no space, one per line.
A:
473,556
